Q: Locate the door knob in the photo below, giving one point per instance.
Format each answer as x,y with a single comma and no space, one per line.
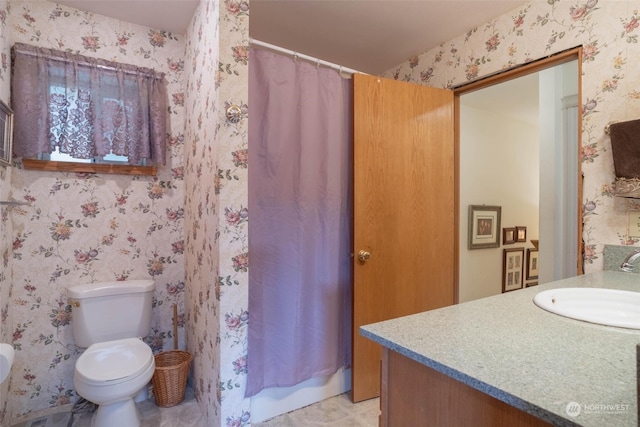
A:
364,255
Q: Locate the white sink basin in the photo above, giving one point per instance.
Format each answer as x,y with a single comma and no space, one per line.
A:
609,307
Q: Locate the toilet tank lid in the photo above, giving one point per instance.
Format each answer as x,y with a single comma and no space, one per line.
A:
99,289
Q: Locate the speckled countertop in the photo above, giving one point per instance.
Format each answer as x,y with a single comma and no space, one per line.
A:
534,360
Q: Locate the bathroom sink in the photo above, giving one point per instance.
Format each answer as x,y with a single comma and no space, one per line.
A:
609,307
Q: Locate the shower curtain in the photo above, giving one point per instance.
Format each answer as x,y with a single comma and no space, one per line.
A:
299,227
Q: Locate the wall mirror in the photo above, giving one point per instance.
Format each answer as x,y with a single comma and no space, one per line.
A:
6,134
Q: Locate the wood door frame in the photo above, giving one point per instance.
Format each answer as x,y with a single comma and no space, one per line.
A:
494,79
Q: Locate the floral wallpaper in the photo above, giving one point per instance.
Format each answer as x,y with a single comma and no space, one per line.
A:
216,221
608,31
6,224
232,186
202,250
85,227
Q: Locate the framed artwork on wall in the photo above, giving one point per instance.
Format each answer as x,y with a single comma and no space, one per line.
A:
508,235
484,226
532,264
6,134
512,266
521,234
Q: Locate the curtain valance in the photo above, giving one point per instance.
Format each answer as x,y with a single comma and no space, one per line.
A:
86,107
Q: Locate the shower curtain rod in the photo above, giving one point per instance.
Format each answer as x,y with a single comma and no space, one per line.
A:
295,54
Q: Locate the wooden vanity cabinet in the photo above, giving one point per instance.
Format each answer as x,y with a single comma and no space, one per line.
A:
414,395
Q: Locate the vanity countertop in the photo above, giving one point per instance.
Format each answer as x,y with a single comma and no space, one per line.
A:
536,361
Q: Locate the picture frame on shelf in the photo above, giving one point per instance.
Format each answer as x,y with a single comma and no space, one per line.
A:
508,235
484,226
6,134
532,263
521,233
512,268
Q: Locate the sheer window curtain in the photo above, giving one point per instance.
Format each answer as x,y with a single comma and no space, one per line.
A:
299,229
87,107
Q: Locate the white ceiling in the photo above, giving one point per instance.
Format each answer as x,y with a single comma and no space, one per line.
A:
371,36
516,98
168,15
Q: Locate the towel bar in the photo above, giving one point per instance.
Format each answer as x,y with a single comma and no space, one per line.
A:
13,203
607,128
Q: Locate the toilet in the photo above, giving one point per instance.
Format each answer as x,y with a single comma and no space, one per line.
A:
109,320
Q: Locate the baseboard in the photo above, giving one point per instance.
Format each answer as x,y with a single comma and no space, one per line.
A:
272,402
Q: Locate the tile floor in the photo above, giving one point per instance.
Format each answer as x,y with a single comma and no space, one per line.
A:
337,411
186,414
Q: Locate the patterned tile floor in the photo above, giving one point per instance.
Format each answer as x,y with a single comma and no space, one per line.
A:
337,411
186,414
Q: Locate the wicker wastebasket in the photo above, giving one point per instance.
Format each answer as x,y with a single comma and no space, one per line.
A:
170,377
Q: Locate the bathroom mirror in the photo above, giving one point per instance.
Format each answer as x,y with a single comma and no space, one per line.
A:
6,134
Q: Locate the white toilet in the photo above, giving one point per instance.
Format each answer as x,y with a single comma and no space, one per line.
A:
110,319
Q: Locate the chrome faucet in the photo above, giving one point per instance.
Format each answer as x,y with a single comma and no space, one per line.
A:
627,264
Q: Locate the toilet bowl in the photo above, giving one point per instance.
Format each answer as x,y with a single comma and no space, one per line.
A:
109,319
110,374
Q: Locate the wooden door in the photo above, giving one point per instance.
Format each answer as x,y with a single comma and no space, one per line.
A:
404,210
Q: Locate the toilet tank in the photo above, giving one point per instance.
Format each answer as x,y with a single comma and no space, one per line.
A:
106,311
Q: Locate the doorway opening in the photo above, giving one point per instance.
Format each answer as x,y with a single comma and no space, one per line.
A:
518,142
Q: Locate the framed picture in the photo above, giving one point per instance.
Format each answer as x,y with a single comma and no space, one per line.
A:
532,263
508,235
530,284
521,234
512,266
484,226
6,135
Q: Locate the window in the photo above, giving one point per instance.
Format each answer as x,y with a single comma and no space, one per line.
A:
85,110
110,158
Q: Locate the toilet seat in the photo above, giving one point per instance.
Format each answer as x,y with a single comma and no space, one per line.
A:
113,362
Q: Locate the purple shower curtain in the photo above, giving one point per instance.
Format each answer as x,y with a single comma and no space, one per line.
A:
300,215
